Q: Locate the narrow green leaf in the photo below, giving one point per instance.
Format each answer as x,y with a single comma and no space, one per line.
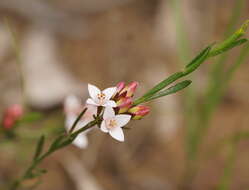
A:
37,173
77,120
39,147
41,171
228,47
230,40
193,65
208,52
243,28
198,57
66,142
56,142
159,87
171,90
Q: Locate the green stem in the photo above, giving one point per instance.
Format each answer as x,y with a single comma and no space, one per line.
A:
218,69
77,120
208,52
229,167
182,39
64,141
196,130
225,181
218,89
213,96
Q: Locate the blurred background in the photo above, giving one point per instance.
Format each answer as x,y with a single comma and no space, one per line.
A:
196,139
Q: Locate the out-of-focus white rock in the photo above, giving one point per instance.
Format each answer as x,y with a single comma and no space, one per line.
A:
47,82
82,178
167,109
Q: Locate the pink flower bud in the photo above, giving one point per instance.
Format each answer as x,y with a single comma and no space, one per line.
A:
15,111
11,115
124,103
8,122
139,111
129,89
120,86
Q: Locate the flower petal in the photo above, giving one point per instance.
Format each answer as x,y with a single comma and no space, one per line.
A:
110,103
72,104
108,113
93,92
122,119
117,133
109,92
91,109
103,127
81,141
90,112
69,121
91,102
120,86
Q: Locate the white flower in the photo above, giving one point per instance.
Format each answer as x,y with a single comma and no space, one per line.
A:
101,98
72,108
112,123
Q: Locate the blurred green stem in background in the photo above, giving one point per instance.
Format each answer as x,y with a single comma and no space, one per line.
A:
199,121
184,52
156,92
225,181
218,71
183,45
18,60
210,51
199,130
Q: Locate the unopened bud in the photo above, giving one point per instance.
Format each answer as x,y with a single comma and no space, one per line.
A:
130,89
120,86
8,123
11,115
139,112
124,103
15,111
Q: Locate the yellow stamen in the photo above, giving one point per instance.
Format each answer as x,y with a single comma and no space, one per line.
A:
112,124
101,96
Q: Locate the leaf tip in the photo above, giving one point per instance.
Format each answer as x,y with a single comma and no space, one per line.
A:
189,81
244,27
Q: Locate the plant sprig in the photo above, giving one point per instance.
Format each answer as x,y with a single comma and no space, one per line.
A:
57,144
212,50
156,92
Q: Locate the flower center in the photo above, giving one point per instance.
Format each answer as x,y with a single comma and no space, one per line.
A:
112,123
101,96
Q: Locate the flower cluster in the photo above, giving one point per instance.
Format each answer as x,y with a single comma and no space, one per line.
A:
11,115
123,99
114,105
118,109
